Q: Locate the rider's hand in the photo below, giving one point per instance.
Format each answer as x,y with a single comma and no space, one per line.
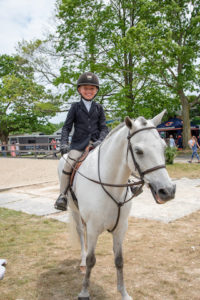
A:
96,143
64,149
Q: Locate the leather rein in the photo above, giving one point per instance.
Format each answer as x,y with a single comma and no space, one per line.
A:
137,167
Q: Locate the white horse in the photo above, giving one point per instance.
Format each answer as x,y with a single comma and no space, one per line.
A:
133,147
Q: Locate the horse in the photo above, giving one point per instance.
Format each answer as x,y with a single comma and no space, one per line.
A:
102,188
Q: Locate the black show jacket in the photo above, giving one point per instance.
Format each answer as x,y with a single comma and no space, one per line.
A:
88,126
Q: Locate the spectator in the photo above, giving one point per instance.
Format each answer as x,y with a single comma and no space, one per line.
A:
193,144
172,143
180,142
53,147
3,149
13,150
17,149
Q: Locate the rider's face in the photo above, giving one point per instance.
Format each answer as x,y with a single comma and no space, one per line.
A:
88,91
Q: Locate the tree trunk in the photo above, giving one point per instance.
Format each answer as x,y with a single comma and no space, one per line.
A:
186,119
3,138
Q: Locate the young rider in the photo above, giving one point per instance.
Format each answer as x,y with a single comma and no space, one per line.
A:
89,122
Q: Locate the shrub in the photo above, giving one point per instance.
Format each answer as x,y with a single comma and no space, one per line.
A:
170,154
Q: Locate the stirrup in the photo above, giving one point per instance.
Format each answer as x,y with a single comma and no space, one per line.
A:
61,202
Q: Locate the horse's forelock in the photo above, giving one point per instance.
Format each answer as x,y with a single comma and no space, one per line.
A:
142,120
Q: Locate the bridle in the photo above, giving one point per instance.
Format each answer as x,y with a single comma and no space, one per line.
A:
137,167
129,148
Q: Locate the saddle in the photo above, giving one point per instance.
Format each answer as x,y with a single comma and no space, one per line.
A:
79,163
75,169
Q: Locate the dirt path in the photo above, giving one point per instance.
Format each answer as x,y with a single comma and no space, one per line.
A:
19,172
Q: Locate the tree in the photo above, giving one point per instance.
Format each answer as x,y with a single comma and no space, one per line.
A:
24,105
93,37
169,45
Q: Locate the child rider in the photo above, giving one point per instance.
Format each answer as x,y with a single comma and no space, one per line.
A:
89,122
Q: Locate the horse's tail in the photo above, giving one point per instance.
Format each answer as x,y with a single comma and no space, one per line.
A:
77,229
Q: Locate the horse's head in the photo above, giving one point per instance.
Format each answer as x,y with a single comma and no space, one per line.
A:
147,155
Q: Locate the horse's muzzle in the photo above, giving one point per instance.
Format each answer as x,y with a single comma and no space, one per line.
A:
163,194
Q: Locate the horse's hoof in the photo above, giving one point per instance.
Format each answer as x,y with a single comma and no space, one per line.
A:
83,269
84,296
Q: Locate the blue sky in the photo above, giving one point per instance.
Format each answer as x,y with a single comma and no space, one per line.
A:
23,19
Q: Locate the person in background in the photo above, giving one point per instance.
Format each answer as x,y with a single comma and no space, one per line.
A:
193,144
172,143
3,149
90,128
17,149
180,142
13,150
53,147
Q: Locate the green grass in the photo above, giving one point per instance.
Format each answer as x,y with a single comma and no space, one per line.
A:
180,170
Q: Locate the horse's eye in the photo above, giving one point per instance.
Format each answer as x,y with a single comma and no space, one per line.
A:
139,151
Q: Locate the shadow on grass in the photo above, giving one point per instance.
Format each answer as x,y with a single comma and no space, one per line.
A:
64,281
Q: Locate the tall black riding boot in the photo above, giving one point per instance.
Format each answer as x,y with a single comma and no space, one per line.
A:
61,202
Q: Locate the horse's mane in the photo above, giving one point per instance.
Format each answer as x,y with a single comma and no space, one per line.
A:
114,130
141,119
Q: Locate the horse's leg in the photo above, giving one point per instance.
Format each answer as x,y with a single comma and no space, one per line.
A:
90,262
118,237
80,230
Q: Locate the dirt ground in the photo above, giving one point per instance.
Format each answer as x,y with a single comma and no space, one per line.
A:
161,261
19,172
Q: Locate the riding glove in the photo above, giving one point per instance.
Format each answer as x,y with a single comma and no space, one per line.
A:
64,149
96,143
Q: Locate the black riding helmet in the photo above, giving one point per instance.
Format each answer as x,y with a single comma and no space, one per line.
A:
88,78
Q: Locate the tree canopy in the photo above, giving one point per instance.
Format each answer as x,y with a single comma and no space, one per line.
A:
170,48
24,104
145,53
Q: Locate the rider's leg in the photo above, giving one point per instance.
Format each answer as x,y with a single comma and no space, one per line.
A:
61,202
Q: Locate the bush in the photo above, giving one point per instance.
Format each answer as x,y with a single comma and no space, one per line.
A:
170,154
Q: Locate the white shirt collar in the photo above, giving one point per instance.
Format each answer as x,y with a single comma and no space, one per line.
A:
87,104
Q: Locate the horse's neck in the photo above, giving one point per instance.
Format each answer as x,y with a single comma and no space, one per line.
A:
113,165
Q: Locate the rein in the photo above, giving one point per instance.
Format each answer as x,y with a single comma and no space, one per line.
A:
100,182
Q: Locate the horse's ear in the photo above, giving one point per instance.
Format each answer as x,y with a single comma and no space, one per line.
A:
128,122
157,119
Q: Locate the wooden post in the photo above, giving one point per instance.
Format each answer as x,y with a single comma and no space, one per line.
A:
35,154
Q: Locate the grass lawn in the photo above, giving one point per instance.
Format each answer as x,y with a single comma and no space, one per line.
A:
180,170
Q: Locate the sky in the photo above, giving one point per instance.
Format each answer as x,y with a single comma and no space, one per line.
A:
25,20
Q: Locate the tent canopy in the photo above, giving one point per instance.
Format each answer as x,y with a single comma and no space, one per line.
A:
174,123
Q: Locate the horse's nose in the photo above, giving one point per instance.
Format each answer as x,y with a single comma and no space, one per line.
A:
167,193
